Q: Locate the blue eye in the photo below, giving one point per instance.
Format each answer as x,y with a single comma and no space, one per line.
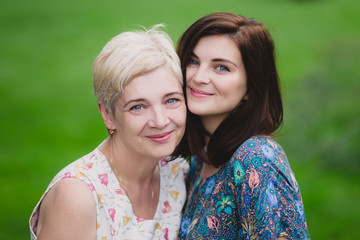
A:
136,108
193,62
222,68
172,101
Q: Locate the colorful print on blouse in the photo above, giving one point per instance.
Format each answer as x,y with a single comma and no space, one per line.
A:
253,196
115,217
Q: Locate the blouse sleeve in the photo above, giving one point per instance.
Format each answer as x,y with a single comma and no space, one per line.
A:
268,197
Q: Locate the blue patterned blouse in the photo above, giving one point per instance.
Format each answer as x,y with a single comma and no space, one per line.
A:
253,196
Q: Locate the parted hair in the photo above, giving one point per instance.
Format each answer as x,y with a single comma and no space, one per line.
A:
260,114
128,55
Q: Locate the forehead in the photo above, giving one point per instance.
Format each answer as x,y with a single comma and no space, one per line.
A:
156,83
217,46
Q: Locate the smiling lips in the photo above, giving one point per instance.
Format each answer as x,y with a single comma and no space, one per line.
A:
198,93
160,138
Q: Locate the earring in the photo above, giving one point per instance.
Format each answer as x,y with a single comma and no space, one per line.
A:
110,131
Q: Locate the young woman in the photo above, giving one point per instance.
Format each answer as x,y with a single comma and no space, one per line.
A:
240,183
125,189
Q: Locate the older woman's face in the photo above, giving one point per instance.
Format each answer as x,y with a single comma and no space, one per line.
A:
150,114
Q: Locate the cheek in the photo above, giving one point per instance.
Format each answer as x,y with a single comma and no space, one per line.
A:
134,125
237,86
189,73
243,88
179,116
240,93
234,92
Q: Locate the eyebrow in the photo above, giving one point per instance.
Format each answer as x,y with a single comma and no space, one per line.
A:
136,100
218,60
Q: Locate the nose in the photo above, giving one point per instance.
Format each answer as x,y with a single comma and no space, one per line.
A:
159,118
200,75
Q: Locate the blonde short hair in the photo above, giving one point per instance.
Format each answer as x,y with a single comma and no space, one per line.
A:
129,55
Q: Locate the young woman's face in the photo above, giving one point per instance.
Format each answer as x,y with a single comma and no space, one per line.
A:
150,114
216,79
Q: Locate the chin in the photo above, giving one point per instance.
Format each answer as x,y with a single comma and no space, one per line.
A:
163,151
161,156
196,108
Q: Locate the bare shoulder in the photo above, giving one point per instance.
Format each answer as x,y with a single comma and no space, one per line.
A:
68,211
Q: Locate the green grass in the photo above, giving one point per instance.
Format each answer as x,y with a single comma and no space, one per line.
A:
49,114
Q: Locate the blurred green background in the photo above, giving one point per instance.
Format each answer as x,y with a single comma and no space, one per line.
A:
50,118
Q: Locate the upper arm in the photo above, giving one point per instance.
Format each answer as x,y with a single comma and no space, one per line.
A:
68,211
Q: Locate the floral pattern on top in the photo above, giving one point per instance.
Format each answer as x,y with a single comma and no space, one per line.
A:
253,196
115,216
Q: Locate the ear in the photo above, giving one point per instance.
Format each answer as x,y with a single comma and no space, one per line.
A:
107,116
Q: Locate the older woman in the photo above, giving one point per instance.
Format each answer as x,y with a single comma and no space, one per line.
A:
241,185
125,188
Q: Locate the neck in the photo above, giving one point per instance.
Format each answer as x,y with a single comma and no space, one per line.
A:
139,178
129,168
208,170
211,123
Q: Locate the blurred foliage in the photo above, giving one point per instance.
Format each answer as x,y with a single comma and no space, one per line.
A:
323,104
322,136
50,118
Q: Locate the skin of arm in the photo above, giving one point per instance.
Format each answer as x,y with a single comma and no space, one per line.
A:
68,211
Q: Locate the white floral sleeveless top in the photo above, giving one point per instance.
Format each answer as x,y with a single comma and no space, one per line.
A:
115,217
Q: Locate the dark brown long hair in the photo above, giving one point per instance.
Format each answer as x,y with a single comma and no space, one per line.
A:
260,114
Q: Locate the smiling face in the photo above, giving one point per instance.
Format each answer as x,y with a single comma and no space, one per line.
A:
150,115
216,80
